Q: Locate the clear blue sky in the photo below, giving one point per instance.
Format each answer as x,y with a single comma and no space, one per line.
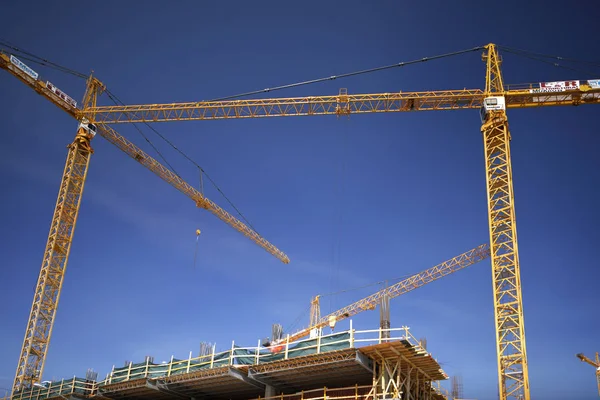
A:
351,201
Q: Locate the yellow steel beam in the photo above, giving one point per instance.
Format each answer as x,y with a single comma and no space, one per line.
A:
513,377
342,104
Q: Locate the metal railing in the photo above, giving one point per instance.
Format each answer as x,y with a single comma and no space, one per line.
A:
260,354
61,388
234,356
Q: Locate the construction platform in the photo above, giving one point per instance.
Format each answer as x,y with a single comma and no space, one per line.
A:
354,364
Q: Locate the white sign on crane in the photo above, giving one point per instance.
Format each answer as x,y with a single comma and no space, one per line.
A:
61,94
23,67
594,83
560,86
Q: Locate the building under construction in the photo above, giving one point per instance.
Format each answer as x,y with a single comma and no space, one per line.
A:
373,364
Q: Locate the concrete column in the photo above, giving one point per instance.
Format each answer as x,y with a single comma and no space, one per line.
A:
270,391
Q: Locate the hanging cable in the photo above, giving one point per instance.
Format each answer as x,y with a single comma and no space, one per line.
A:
202,171
114,99
201,181
297,320
553,63
367,285
349,74
338,213
40,60
512,49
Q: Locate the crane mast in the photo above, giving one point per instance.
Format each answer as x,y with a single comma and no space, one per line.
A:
54,264
513,377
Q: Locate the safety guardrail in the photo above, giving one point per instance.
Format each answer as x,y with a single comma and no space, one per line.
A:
234,356
79,386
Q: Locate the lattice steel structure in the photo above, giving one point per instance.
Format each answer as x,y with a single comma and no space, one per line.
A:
513,376
411,283
56,255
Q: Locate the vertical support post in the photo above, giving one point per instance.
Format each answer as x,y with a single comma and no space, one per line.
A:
189,362
319,343
351,335
231,354
257,352
270,392
129,370
409,383
170,366
212,358
287,345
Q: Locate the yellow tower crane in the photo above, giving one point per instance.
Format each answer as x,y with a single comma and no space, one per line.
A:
413,282
595,364
51,277
493,101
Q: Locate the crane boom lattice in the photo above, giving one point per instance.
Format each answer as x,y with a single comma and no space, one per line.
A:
457,263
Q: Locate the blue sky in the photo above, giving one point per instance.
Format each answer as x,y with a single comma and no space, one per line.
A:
351,201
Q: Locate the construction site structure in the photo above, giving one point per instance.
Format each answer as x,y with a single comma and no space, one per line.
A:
493,101
595,364
347,365
457,388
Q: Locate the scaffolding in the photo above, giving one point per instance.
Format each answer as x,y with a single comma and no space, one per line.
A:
367,365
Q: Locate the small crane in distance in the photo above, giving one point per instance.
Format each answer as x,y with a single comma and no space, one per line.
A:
595,364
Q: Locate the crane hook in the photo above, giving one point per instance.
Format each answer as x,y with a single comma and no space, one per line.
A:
196,250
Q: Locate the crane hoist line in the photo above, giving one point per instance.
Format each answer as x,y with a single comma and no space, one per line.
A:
493,101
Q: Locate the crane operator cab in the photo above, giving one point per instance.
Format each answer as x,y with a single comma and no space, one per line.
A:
491,103
88,126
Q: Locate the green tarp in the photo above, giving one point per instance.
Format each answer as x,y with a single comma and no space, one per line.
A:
56,389
328,343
